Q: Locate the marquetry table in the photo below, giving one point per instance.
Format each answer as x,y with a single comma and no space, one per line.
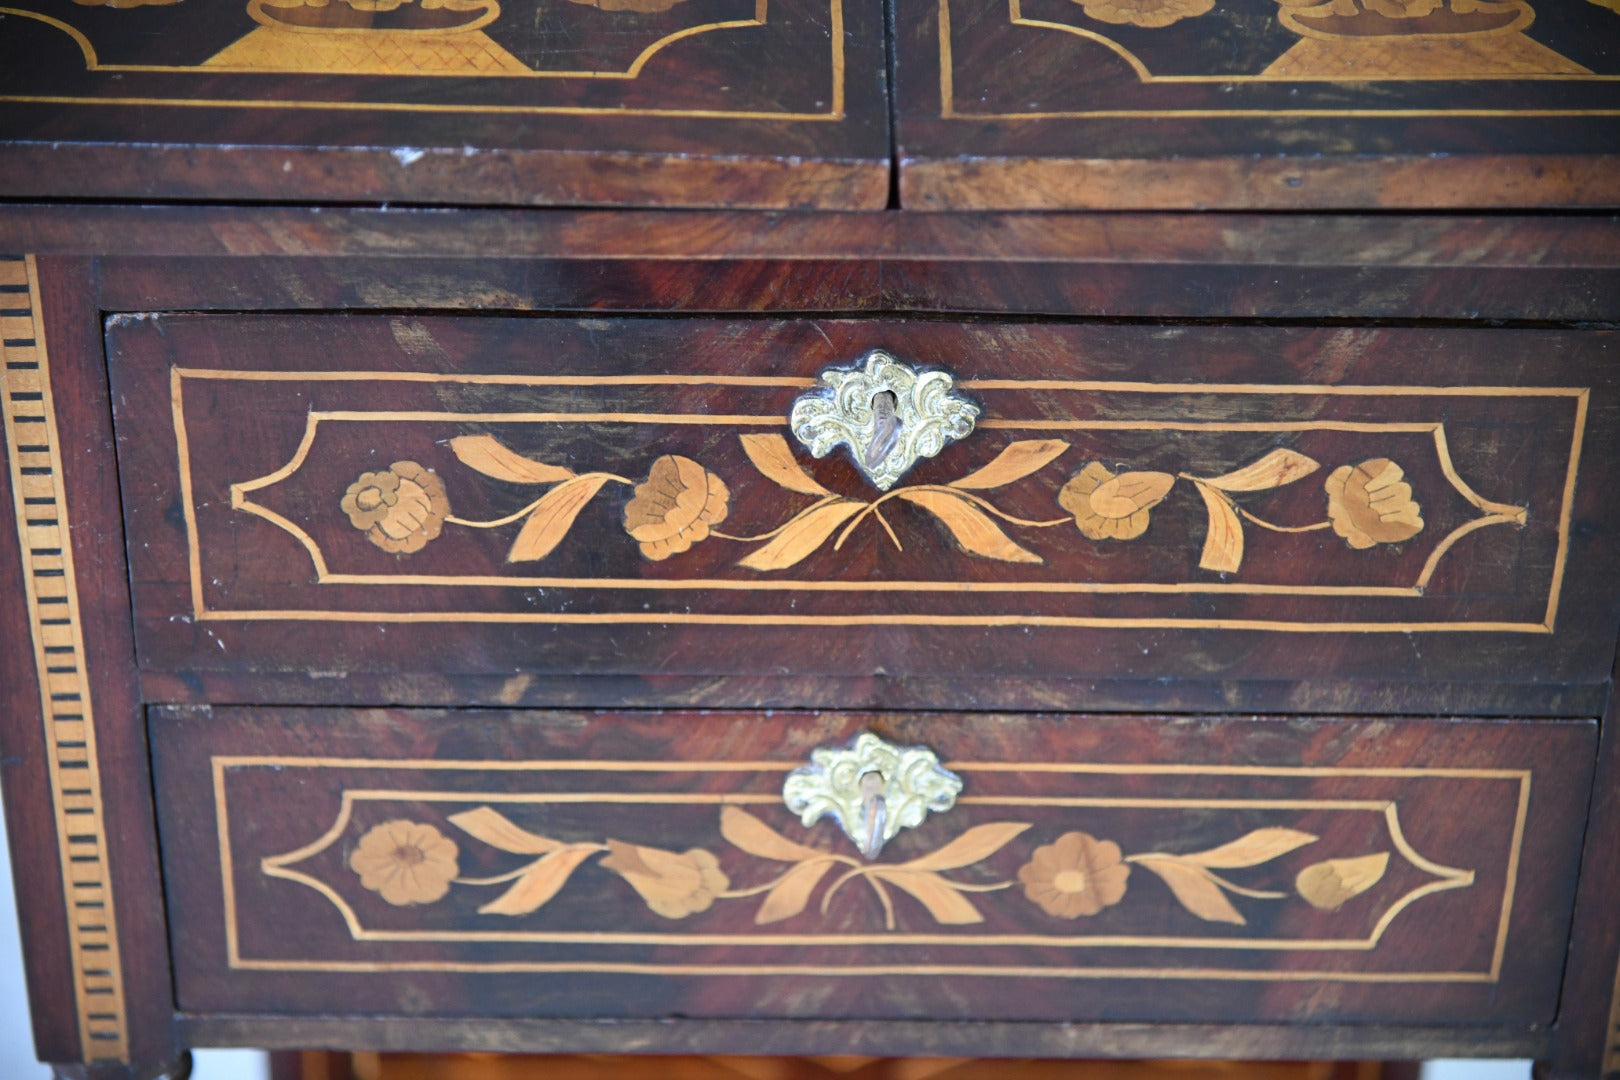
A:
963,528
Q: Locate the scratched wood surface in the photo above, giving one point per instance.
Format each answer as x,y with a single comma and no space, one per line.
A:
1267,104
601,865
570,508
627,102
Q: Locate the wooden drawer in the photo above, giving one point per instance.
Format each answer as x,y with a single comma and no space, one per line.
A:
624,500
1093,867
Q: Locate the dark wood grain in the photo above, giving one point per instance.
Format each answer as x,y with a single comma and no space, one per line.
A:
928,1038
705,103
336,778
1119,266
880,691
1048,104
1186,241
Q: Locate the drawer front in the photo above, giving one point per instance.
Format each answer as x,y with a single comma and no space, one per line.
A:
440,511
1043,104
1092,868
726,103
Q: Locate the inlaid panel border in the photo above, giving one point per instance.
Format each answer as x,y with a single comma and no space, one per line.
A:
1580,397
223,764
835,109
34,453
1015,17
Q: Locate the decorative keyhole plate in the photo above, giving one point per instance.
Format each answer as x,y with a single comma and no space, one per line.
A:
839,782
886,412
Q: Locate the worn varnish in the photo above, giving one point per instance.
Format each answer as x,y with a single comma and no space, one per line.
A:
1111,104
541,864
634,102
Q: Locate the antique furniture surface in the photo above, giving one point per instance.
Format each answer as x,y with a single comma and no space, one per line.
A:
369,1065
956,529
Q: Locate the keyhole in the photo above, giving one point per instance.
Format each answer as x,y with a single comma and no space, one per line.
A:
885,428
875,811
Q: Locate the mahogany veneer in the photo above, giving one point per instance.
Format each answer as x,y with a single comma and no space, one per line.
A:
414,610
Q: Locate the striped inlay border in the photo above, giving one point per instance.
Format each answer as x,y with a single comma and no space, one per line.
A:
34,454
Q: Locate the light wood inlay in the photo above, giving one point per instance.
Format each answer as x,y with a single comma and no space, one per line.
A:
33,451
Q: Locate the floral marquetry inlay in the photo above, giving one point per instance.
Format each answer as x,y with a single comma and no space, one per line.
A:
1366,503
1068,505
539,860
1069,875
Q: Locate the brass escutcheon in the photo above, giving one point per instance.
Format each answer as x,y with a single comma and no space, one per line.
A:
887,412
872,788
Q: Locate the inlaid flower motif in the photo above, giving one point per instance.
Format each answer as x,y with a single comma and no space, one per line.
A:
673,885
1144,12
1371,504
1107,506
400,508
674,508
1075,875
405,862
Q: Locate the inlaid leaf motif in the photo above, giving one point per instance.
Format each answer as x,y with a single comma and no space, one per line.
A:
752,835
803,535
541,881
975,845
1223,544
1251,849
498,831
944,903
1192,886
486,454
972,529
553,516
1328,885
1014,463
792,893
1277,468
1129,492
772,456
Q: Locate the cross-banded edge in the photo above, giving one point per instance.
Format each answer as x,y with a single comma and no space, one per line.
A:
35,458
